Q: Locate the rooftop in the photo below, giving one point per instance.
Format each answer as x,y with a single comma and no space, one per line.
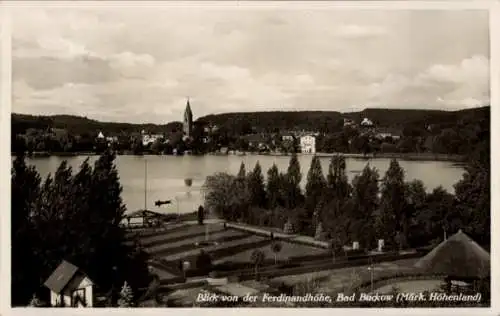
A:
458,256
61,276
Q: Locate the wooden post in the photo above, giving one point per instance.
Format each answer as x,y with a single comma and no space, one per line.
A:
145,184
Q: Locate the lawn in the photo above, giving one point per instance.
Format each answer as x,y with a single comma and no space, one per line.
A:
288,250
229,244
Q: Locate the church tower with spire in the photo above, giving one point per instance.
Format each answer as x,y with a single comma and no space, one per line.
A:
187,126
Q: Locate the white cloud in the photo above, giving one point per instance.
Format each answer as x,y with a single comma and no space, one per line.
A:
354,31
141,64
451,86
470,70
128,59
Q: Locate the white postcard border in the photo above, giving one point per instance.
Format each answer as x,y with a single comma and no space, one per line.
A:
5,160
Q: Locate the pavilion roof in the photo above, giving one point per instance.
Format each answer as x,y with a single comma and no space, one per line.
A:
458,256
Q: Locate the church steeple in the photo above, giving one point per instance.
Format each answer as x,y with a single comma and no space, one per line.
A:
188,120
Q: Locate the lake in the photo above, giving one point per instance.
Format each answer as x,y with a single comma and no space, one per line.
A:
166,174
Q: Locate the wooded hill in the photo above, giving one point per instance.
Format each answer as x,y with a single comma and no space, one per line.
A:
249,122
328,121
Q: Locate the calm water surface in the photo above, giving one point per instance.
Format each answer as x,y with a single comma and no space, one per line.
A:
166,174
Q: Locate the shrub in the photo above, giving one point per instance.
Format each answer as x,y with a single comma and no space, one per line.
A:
126,296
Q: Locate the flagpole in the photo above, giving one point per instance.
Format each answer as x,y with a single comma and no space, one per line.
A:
145,184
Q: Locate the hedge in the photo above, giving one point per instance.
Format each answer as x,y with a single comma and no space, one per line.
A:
171,239
156,231
251,231
301,242
191,246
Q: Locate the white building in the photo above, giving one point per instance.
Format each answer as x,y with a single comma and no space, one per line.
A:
70,287
308,144
112,139
366,122
382,133
148,139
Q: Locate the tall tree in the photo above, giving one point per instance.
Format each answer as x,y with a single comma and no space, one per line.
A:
316,184
52,219
363,207
25,190
66,207
416,209
338,187
256,186
473,190
439,218
109,260
392,204
273,187
225,196
242,172
81,215
315,187
293,178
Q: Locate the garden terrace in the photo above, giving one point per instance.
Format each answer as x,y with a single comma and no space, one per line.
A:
167,235
150,232
224,249
288,250
191,242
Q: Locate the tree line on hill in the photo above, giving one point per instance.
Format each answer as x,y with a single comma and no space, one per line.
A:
72,216
440,132
370,208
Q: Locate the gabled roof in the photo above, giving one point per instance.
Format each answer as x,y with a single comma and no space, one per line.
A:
458,256
61,276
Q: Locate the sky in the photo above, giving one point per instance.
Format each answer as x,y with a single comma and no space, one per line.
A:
141,64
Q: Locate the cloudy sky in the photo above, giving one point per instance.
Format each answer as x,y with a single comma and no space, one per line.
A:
140,64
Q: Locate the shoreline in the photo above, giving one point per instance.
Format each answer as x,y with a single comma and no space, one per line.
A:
401,156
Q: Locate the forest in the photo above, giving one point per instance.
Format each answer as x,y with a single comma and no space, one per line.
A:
373,206
418,131
73,215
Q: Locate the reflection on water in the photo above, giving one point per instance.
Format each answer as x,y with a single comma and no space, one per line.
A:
166,174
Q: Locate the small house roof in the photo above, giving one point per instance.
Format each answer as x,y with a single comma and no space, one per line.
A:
458,256
61,276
